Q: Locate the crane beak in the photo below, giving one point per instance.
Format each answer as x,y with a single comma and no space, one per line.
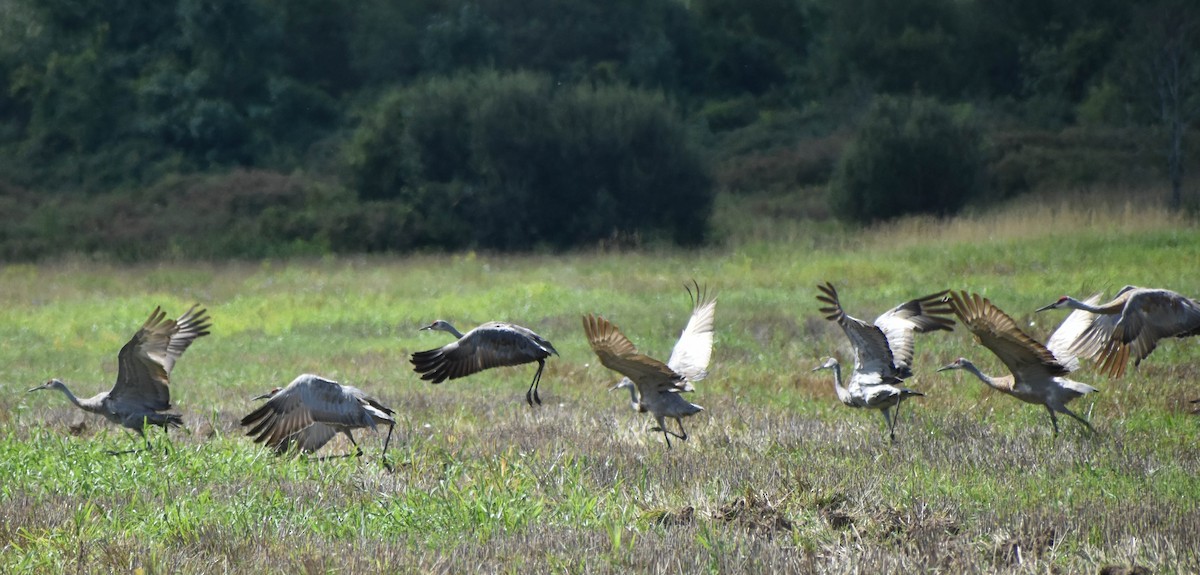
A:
948,367
39,388
266,395
1046,307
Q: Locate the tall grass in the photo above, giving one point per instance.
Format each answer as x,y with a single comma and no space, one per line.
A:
777,474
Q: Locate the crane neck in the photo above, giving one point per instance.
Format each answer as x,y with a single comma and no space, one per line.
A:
634,401
1112,307
86,406
842,393
453,331
986,379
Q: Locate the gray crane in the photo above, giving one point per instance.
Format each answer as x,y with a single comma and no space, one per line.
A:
1038,372
883,351
689,361
494,344
881,396
141,394
1131,324
307,413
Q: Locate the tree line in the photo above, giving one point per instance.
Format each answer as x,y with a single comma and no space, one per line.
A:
396,125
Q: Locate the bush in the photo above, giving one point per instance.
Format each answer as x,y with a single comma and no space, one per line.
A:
911,155
513,162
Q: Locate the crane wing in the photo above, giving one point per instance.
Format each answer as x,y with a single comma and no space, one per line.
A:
921,315
693,351
489,345
872,355
1027,359
144,364
307,401
617,353
1063,339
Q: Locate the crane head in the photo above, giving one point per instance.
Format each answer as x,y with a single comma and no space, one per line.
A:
439,325
52,384
1058,304
269,394
830,363
959,363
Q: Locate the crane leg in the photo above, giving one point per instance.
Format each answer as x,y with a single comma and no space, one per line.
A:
1079,419
681,429
532,395
386,464
1053,419
891,426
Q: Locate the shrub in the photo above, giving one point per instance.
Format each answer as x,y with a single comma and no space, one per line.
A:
911,155
513,162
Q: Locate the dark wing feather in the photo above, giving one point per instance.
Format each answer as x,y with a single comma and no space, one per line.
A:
487,346
617,353
872,355
144,364
294,414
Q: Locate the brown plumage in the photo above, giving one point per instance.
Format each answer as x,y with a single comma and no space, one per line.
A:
142,391
1037,373
494,344
658,386
307,413
1131,324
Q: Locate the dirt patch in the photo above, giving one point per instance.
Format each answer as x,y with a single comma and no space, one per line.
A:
1016,550
1124,570
754,512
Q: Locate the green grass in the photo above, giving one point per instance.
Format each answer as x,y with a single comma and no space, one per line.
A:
776,476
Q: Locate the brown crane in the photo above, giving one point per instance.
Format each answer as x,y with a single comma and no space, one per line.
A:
653,386
1131,324
307,413
1038,372
494,344
142,394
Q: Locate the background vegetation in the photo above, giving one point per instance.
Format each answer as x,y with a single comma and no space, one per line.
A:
777,475
299,127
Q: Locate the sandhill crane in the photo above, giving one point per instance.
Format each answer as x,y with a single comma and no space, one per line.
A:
494,344
1038,372
311,410
880,396
650,388
142,394
1131,324
883,351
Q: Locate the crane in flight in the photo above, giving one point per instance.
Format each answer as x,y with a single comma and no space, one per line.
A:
655,386
142,393
307,413
883,350
1131,324
1038,372
494,344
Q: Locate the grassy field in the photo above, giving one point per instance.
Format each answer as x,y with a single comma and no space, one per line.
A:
777,475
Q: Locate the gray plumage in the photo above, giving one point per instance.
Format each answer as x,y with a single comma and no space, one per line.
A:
307,413
1038,373
495,344
883,351
653,386
880,396
1130,325
141,394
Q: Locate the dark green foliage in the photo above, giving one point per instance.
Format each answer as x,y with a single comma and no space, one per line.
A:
512,161
912,155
